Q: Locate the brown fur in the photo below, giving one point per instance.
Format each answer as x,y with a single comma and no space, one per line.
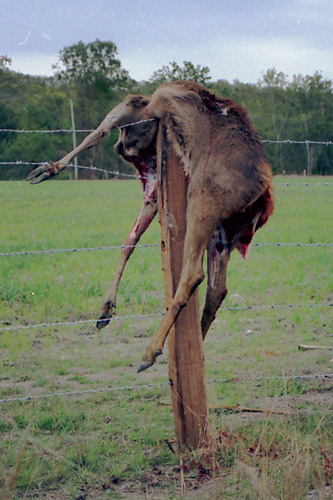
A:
229,194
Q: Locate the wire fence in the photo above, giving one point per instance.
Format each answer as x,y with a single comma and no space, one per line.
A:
147,245
146,316
306,142
73,131
303,184
56,131
152,315
152,245
68,250
86,131
160,384
70,131
116,173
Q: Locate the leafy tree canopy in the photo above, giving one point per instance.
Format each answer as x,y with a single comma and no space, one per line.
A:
189,72
273,78
90,63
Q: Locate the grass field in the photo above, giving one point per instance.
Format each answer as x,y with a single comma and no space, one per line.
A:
118,444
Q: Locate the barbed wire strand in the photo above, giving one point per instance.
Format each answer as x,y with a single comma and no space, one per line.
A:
151,315
55,131
116,173
148,245
19,163
70,131
87,391
79,322
288,141
87,249
304,184
160,384
317,245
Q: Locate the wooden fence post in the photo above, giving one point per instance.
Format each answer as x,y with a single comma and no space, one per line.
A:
186,358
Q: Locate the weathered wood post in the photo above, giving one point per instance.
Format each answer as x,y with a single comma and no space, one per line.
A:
186,358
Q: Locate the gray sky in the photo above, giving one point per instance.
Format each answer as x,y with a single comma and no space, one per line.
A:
236,39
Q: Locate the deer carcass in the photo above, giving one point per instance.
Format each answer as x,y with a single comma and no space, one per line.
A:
229,186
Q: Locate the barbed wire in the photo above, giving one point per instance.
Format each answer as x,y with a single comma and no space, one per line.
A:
288,141
81,393
19,163
70,131
148,245
112,172
56,131
317,245
152,315
88,249
79,322
159,384
305,184
116,173
277,377
275,306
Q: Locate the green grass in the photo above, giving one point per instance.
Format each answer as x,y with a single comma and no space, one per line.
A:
113,444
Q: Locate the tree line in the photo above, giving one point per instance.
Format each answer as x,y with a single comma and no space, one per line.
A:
91,75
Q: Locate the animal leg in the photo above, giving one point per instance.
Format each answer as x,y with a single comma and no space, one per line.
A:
146,215
44,172
118,116
197,235
217,261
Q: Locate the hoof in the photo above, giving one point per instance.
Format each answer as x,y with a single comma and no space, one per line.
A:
144,365
158,352
107,311
102,322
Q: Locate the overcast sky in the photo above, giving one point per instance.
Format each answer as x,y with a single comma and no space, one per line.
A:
236,39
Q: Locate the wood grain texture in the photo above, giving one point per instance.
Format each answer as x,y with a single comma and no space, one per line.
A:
186,358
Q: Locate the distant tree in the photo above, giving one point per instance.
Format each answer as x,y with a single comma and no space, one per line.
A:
273,78
223,88
93,76
277,106
274,86
314,118
189,72
91,63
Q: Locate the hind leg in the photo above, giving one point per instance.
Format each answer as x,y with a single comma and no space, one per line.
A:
217,261
198,233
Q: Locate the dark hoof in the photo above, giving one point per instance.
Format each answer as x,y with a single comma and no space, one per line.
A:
34,174
107,311
42,173
158,352
40,178
102,322
144,365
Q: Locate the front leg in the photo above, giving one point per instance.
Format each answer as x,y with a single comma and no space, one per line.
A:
118,116
50,169
146,215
